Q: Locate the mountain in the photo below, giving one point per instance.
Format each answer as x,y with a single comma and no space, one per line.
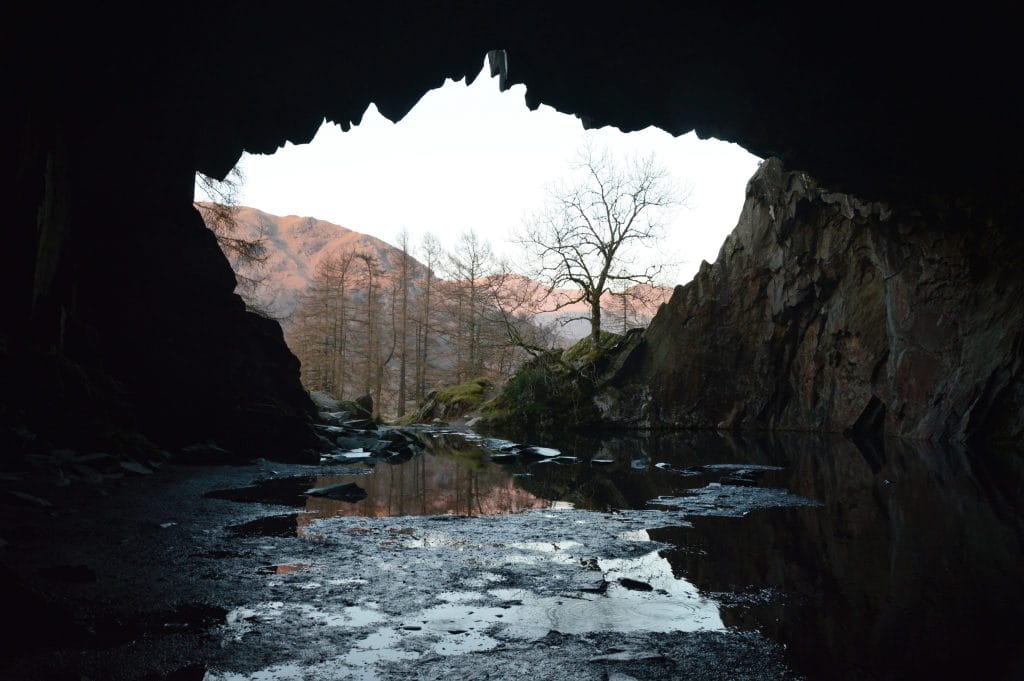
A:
294,246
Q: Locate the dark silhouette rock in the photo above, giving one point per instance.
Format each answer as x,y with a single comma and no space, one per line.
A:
635,584
824,312
348,491
364,405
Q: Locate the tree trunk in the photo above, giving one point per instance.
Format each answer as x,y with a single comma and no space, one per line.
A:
403,346
595,321
474,340
425,341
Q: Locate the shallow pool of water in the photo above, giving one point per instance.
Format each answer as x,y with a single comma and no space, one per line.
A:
884,563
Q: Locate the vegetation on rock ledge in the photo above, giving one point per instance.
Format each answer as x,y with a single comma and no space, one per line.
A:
553,390
451,401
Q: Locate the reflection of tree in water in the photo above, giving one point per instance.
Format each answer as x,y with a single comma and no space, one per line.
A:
452,480
479,487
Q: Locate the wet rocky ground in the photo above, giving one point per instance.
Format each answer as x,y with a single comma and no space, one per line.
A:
479,558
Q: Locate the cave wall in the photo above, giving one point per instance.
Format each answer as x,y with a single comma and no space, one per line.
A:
107,273
130,323
824,312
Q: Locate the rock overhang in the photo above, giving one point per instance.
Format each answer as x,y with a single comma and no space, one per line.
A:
111,113
888,105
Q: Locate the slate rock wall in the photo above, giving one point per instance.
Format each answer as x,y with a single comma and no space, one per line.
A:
827,313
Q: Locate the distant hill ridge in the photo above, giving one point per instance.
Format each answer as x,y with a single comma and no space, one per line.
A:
295,246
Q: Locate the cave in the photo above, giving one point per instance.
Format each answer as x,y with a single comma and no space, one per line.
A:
110,285
120,325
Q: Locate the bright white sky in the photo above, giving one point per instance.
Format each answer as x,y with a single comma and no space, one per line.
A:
474,157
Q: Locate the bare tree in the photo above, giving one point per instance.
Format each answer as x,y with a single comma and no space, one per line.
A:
515,329
431,253
467,267
320,334
247,254
333,274
372,309
589,236
352,327
401,330
633,306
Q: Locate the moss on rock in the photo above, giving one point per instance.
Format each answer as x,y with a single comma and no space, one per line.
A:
552,391
584,352
451,402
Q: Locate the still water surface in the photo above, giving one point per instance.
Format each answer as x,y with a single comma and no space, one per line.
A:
909,565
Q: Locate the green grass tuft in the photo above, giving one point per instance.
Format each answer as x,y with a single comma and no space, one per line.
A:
465,396
583,351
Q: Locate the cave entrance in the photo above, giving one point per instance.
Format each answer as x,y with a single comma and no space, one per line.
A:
455,185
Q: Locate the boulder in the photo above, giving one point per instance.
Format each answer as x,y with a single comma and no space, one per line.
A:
324,402
348,491
364,404
451,402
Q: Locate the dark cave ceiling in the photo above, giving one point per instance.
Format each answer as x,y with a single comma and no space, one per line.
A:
886,103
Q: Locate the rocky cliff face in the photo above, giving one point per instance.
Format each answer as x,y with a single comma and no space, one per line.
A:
824,312
152,341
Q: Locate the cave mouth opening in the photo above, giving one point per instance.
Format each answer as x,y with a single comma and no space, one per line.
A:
470,158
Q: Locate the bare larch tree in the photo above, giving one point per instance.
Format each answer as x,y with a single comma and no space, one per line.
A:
247,254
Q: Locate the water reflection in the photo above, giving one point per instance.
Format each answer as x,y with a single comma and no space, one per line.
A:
446,480
456,475
911,569
619,471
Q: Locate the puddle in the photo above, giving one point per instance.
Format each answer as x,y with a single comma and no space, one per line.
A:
467,475
281,672
479,586
717,499
670,604
754,542
380,646
498,546
287,491
424,485
524,615
284,568
268,526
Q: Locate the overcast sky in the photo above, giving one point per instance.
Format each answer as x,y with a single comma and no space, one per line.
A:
474,157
